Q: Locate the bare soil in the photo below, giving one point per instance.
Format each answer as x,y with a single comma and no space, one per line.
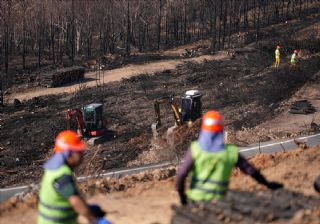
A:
253,96
285,124
147,197
27,132
101,77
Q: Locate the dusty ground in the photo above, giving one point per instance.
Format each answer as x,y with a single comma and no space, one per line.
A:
285,124
244,103
253,97
147,198
112,75
246,89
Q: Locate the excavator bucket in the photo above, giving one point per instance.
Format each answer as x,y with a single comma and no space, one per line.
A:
154,128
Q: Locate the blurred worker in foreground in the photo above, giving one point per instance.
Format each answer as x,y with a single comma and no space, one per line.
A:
210,162
317,184
277,54
293,61
59,199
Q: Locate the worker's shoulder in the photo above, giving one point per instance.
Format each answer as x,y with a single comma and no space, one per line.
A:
66,169
65,186
195,148
231,147
194,143
64,179
62,170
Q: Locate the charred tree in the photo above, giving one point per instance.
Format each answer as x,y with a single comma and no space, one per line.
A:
225,22
220,24
159,24
184,21
72,32
128,29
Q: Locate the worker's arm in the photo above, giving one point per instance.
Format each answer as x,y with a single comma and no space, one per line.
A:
317,184
249,169
66,187
81,207
182,175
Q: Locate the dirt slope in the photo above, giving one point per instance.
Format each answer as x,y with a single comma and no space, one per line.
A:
147,198
249,95
245,89
296,170
286,125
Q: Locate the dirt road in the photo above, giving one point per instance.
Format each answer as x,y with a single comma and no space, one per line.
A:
116,75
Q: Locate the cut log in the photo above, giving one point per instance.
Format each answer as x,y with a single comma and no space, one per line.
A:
62,76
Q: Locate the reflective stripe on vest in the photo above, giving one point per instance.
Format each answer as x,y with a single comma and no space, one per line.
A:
220,183
211,172
59,208
216,192
58,219
53,208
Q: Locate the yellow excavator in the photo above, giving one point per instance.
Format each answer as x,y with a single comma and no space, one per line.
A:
191,109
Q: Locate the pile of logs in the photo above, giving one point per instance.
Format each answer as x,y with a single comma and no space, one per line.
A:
302,107
62,76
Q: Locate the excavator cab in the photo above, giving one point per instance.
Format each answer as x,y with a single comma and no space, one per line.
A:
191,106
93,119
93,116
90,121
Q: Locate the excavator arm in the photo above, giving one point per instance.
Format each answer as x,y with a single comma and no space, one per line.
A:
79,118
174,107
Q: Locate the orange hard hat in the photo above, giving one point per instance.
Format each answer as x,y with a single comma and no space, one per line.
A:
69,141
212,122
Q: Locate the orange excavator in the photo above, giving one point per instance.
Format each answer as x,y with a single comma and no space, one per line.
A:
90,121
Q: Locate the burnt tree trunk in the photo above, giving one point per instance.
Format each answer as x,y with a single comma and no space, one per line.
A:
213,13
225,22
258,21
185,21
159,24
220,24
128,29
24,36
72,32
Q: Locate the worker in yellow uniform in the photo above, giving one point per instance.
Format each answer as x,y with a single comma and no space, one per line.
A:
209,163
277,55
59,198
293,61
